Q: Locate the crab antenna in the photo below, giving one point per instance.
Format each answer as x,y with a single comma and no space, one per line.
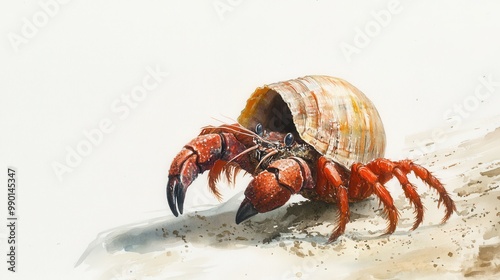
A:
272,153
244,152
241,127
233,130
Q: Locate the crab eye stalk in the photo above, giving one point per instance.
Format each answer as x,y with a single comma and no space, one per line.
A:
288,139
258,129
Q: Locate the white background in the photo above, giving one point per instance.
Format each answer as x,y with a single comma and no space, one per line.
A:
64,79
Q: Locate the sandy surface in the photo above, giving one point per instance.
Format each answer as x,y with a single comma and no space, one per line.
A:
289,243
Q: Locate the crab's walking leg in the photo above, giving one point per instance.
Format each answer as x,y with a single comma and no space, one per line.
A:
196,157
369,178
407,165
274,186
412,195
331,185
365,182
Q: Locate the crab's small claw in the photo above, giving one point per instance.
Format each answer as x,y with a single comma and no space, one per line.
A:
245,211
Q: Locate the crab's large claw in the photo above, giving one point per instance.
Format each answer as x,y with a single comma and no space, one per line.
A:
197,156
273,187
245,211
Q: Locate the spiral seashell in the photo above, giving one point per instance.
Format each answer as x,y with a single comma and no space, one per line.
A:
328,113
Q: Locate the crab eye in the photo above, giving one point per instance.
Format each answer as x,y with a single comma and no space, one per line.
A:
258,129
288,139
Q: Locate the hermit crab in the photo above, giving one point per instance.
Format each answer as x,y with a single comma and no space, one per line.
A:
316,136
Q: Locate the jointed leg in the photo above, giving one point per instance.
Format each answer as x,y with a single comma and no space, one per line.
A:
379,171
412,195
363,179
331,186
424,174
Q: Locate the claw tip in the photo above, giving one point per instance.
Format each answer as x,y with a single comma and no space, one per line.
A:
245,211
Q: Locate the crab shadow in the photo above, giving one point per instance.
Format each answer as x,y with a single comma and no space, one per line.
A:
216,227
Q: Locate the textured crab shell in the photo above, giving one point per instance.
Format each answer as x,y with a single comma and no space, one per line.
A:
328,113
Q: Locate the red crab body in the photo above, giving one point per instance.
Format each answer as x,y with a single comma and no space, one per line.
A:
316,136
